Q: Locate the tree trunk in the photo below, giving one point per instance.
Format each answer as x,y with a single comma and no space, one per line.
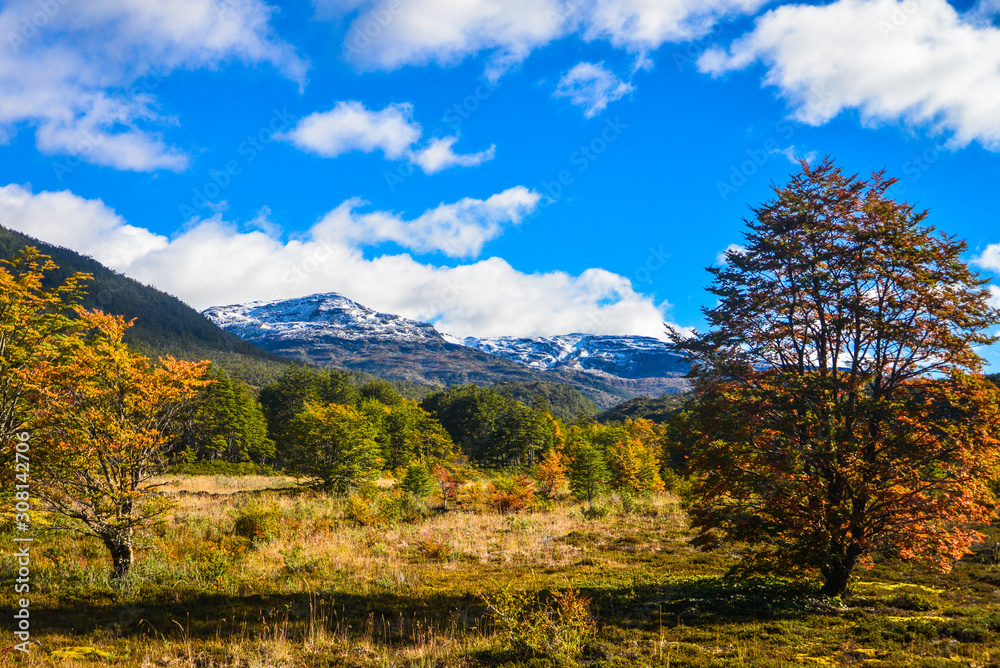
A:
120,548
836,576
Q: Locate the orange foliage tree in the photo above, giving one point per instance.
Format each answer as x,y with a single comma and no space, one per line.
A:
842,411
102,422
550,472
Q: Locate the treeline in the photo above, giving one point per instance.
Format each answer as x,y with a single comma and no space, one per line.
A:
339,431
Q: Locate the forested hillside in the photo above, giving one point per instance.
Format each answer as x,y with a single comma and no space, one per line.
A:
164,324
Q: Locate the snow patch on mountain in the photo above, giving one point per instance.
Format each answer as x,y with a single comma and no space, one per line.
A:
317,317
322,317
623,356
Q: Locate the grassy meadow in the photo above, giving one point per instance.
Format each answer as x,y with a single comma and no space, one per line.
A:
255,572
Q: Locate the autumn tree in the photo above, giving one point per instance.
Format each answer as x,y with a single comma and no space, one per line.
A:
633,459
447,479
550,472
842,413
102,423
37,325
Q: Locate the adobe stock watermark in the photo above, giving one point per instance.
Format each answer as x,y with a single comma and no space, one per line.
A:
899,17
33,23
691,53
22,526
655,260
451,121
581,159
741,173
204,197
915,167
91,140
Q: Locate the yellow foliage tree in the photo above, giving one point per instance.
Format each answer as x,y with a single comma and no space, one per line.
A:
634,458
102,422
36,325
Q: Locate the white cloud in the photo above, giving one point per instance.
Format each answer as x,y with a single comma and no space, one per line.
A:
985,12
890,60
211,262
794,156
989,259
647,24
349,126
81,73
77,223
388,34
438,155
457,230
994,299
592,86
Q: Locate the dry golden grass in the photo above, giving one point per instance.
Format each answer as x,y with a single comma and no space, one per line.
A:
322,585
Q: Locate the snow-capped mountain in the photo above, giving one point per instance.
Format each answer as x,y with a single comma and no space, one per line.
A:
332,330
622,356
317,317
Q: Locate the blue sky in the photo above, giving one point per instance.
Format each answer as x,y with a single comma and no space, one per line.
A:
497,167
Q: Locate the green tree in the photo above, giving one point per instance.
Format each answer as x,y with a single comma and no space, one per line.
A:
283,399
588,473
841,410
226,423
333,446
418,480
407,433
492,429
381,391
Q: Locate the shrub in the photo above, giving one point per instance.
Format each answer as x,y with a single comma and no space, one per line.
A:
256,523
511,495
361,510
433,547
403,507
596,511
296,563
557,628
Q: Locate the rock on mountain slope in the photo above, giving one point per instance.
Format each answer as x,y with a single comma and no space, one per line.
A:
331,330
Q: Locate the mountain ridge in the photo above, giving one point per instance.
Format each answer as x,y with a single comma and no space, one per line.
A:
330,329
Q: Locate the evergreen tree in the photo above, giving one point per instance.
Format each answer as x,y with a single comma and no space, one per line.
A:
589,475
491,428
283,399
418,480
381,391
226,423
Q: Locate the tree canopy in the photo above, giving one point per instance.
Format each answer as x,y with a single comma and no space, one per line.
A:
843,413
